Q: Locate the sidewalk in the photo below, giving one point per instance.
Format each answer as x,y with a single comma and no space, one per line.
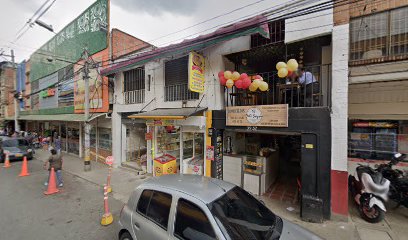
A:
123,181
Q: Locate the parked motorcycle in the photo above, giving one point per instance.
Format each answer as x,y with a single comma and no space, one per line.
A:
369,190
399,184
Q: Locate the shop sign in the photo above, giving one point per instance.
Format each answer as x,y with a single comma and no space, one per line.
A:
148,136
210,153
196,67
375,124
160,123
261,116
47,93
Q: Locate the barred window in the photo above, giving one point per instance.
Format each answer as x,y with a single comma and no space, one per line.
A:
379,35
134,86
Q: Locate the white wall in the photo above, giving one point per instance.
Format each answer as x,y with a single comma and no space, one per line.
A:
340,41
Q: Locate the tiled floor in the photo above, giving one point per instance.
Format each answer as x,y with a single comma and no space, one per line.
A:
284,190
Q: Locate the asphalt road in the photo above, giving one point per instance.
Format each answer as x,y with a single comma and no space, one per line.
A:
74,213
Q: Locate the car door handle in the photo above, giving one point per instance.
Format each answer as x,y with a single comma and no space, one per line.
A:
137,226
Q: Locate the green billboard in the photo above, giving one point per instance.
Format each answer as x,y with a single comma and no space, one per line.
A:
86,31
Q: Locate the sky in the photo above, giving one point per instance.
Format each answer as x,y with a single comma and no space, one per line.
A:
145,19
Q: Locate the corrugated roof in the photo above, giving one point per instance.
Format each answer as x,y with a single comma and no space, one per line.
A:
242,28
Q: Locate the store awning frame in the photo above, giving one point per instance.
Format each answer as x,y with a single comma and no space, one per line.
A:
59,117
168,114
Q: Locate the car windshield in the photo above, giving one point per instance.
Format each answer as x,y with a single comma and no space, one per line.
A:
241,216
15,143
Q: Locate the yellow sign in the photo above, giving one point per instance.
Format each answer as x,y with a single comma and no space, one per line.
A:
259,116
196,78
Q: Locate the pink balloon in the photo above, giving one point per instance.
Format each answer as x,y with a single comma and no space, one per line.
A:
239,84
221,74
243,76
223,80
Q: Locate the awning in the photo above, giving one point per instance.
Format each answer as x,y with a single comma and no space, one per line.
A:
169,113
54,117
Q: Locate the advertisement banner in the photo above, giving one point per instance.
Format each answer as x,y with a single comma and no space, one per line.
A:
196,67
98,86
258,116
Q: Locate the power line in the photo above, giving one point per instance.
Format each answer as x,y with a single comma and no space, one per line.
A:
29,20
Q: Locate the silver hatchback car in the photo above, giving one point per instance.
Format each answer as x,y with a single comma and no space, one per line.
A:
200,208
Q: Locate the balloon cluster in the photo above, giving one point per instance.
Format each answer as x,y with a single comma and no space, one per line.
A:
242,81
286,69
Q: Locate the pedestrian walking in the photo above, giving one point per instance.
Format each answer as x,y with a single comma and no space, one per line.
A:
54,161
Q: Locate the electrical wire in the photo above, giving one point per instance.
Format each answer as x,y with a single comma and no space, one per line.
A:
337,3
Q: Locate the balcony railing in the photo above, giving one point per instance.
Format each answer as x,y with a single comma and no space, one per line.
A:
282,91
179,92
134,97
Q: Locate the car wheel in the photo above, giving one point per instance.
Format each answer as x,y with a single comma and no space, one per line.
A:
125,236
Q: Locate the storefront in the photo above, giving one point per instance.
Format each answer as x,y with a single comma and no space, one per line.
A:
276,152
175,140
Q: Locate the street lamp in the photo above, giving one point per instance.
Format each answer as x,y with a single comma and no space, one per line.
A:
44,25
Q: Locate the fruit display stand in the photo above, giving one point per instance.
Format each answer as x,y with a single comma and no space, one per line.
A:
165,164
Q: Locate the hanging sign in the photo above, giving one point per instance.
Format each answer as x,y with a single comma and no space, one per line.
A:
196,79
260,116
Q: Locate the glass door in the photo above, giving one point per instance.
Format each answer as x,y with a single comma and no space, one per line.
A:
193,153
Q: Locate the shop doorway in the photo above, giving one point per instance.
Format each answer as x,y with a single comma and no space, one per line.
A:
136,146
268,165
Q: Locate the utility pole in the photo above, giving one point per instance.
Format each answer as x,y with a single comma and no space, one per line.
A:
16,101
87,158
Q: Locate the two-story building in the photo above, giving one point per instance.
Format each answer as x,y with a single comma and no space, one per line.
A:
164,127
378,81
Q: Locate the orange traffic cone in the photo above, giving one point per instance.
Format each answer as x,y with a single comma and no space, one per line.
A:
52,185
107,218
24,168
7,162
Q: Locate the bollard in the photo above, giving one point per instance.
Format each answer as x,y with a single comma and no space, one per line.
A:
107,217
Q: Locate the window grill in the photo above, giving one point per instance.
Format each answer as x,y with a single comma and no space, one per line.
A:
383,34
134,86
276,35
176,81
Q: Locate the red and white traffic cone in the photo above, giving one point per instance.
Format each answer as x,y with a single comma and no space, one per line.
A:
107,218
108,180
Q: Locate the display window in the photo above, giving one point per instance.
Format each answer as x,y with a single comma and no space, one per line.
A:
178,150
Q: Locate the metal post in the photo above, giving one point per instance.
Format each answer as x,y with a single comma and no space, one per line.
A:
16,101
87,157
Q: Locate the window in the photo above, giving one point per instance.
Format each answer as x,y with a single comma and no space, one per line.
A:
144,201
134,85
191,222
276,35
176,81
238,212
379,35
105,138
155,206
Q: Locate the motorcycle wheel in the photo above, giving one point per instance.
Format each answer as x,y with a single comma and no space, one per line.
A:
371,215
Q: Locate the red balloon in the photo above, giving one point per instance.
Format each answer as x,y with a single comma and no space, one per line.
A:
239,84
221,74
223,80
243,76
246,83
290,73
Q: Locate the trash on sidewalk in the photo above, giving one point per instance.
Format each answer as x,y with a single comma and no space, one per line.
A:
290,209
